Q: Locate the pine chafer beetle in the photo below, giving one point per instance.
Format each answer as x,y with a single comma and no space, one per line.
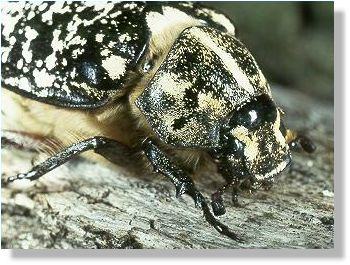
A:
169,82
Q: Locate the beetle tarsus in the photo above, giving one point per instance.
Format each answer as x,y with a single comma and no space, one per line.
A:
220,227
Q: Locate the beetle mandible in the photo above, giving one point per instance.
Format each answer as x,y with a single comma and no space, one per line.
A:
171,80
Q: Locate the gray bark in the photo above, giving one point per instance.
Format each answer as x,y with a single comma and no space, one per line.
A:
88,205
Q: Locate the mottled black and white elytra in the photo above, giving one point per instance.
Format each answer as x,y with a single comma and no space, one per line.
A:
79,54
168,82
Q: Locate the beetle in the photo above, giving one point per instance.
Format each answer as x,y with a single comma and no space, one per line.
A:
170,82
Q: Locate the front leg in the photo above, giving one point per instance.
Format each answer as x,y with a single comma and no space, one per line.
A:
233,175
183,184
161,163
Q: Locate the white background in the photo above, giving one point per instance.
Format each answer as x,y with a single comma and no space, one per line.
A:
339,255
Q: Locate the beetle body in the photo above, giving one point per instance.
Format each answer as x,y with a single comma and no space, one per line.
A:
75,70
128,72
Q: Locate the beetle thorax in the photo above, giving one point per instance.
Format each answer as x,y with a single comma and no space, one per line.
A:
206,74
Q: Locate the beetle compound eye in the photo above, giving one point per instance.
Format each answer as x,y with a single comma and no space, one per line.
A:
270,113
254,113
249,118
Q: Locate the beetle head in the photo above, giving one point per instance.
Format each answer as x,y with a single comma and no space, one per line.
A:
254,142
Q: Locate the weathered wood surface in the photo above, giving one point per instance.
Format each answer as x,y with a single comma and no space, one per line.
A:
87,205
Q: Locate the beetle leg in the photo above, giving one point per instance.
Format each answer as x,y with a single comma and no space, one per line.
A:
217,203
104,146
183,184
299,142
161,163
234,179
